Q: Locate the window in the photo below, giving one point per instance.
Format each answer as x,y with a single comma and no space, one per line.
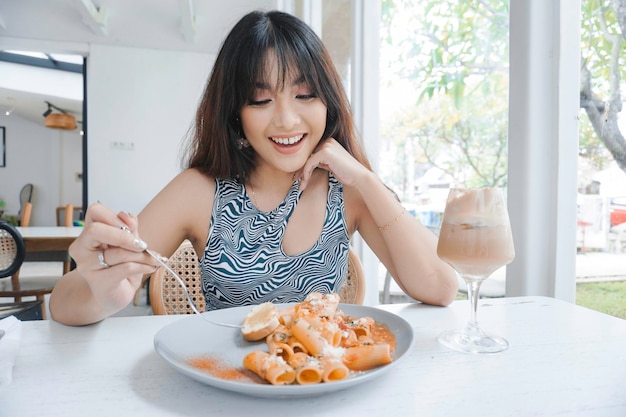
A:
444,102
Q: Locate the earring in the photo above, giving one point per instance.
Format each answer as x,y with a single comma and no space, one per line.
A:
242,143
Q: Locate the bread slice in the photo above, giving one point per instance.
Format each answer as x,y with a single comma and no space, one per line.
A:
260,322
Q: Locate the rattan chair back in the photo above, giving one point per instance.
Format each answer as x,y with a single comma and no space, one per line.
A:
12,253
167,297
12,250
353,289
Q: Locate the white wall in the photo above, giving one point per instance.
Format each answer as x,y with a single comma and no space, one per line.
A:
47,158
142,98
145,99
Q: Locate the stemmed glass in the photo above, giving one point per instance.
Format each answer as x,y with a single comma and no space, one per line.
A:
475,239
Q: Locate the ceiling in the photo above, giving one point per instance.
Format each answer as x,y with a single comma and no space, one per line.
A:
71,25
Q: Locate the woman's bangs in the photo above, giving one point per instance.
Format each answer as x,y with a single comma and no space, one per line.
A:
291,64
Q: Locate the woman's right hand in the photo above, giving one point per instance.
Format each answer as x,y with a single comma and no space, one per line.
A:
111,257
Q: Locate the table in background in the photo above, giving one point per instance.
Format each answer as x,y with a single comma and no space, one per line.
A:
563,360
48,238
51,243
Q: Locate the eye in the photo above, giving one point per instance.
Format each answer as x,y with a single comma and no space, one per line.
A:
306,97
258,102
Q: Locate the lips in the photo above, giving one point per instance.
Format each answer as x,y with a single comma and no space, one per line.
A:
287,141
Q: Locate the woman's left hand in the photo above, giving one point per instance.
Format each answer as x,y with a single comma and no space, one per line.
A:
331,156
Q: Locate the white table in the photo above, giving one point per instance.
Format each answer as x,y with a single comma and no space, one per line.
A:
51,239
564,360
49,232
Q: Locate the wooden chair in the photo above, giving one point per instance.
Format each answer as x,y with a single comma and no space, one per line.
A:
12,253
166,296
67,214
53,256
353,290
27,211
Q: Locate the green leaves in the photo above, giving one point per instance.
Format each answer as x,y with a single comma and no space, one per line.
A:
446,42
455,55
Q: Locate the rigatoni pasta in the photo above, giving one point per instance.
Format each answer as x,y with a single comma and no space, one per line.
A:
316,343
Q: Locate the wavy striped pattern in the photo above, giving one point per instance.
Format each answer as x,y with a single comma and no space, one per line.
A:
244,263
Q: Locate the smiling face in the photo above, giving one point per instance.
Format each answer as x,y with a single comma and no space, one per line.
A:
283,121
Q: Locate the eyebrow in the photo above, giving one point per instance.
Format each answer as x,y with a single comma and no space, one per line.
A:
265,86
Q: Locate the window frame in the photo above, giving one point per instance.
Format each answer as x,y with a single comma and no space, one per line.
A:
543,139
543,123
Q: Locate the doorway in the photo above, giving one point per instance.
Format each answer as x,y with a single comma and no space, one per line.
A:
33,86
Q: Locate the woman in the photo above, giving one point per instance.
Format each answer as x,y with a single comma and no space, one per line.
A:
277,183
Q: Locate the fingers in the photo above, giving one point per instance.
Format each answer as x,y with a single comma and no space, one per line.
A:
131,226
320,158
101,260
113,256
108,239
98,213
333,157
305,174
130,221
104,228
115,286
97,235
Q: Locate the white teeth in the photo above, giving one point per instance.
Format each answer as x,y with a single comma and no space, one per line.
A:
288,141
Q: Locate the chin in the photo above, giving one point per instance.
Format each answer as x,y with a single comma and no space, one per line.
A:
290,165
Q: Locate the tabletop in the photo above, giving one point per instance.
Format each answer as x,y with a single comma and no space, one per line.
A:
563,360
49,243
50,232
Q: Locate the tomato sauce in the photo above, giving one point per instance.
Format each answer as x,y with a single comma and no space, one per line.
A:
218,368
381,334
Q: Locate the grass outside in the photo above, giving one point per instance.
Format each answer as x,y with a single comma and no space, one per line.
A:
607,297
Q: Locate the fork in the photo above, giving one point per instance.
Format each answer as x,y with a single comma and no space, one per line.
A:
184,287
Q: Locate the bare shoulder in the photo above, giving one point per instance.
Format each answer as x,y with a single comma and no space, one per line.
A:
186,202
196,192
194,178
190,186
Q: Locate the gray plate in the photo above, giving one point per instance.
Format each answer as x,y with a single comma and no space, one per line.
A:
193,337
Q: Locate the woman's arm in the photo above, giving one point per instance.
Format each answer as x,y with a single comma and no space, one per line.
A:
94,291
406,248
91,292
182,210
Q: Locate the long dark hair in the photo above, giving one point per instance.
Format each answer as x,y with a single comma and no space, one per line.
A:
240,64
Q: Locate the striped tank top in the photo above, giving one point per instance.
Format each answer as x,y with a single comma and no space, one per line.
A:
244,263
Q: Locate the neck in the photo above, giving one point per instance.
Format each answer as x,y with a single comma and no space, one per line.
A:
267,190
270,180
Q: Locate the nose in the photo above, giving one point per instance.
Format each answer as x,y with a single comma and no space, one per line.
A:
286,115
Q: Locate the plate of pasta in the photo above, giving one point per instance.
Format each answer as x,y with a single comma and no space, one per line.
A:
316,346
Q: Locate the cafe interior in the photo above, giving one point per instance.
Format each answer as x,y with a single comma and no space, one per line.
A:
138,69
97,97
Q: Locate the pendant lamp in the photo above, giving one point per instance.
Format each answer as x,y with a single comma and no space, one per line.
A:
61,121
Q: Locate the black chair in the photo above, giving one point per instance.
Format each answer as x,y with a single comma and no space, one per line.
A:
12,254
23,311
26,195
